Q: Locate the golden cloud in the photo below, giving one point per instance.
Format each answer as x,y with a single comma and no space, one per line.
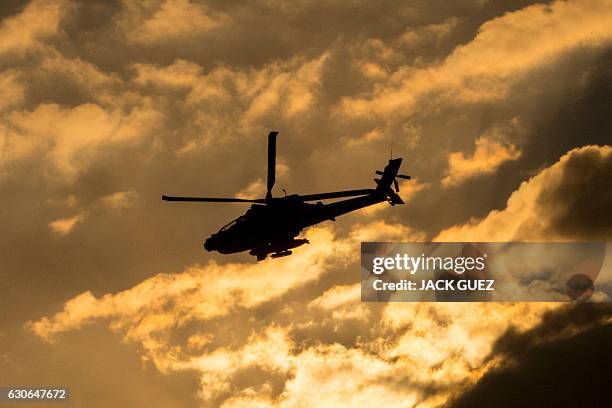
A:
338,296
64,225
119,200
290,92
27,30
534,212
380,231
70,136
204,292
13,92
240,99
408,350
504,50
487,157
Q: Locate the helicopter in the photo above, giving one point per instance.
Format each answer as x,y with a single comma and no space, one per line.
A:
272,224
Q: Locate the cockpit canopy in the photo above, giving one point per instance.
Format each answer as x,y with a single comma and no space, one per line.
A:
233,222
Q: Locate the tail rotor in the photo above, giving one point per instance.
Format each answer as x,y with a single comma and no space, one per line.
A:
389,177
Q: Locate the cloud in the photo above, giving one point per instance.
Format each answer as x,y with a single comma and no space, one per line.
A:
290,92
414,353
227,101
269,351
64,225
329,376
532,357
68,137
204,292
381,230
79,77
556,204
13,92
337,296
119,200
166,303
26,31
445,331
487,157
344,303
503,51
421,36
180,74
169,20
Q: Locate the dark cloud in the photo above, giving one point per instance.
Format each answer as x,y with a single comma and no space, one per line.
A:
574,211
262,31
545,368
12,7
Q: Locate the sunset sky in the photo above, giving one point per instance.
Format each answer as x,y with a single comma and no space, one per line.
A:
501,111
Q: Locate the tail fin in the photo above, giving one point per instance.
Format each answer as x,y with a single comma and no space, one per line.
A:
388,178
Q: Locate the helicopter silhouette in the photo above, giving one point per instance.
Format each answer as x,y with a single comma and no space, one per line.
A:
272,224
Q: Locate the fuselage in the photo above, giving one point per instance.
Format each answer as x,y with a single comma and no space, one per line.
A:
274,226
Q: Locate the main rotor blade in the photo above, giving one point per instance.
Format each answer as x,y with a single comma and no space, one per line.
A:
211,199
271,163
336,194
403,176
